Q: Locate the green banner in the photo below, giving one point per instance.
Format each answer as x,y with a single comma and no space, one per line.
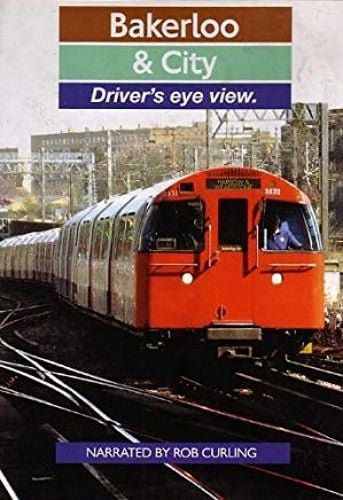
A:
177,62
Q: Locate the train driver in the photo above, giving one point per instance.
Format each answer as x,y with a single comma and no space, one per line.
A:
281,237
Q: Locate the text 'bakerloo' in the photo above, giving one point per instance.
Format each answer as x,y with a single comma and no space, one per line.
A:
171,28
173,62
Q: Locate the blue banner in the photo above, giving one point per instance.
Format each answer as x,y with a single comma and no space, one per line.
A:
123,95
173,453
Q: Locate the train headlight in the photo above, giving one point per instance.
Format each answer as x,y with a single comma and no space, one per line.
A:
277,278
187,278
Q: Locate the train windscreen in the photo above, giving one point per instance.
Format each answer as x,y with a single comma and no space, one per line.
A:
288,226
173,226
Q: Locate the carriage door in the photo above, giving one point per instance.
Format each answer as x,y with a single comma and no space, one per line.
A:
234,283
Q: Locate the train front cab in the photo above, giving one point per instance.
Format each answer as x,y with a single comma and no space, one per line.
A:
204,266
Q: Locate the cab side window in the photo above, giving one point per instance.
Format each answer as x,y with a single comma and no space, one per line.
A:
174,226
288,226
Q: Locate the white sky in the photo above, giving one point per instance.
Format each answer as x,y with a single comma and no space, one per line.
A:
29,68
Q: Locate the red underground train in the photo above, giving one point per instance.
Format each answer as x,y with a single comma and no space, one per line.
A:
191,258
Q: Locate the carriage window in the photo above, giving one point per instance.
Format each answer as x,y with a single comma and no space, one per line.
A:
83,240
106,228
232,228
288,226
174,226
125,236
97,240
120,238
71,241
65,238
59,245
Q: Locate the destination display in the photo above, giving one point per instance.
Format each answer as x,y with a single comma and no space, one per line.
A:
225,183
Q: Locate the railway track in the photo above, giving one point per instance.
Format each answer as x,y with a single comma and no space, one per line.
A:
6,486
313,404
207,418
325,363
315,373
78,396
79,405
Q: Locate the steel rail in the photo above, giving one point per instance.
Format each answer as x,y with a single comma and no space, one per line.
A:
323,394
221,413
60,391
24,318
228,399
296,480
99,421
273,385
8,298
43,402
91,469
7,391
26,308
110,384
6,484
103,416
9,315
262,425
316,372
117,426
85,377
93,379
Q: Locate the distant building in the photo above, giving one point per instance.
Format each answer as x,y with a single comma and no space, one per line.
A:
10,178
9,153
194,135
88,140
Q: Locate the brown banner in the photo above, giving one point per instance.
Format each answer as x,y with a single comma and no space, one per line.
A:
177,24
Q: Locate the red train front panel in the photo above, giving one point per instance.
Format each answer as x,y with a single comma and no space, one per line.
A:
225,274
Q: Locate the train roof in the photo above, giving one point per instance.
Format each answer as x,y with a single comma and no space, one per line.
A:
269,180
146,195
35,237
131,202
77,217
118,203
95,210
